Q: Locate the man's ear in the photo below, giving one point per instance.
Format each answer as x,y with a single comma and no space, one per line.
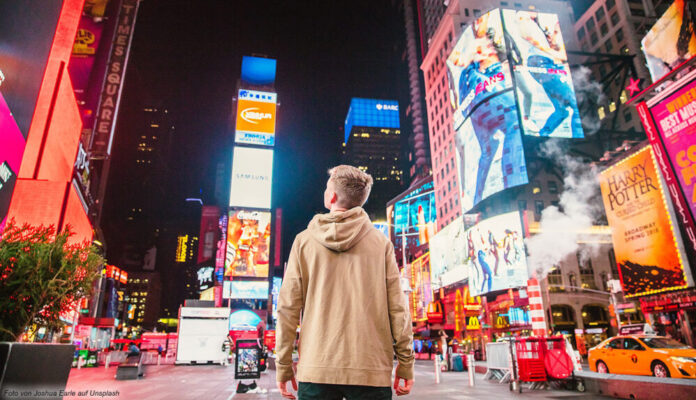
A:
334,198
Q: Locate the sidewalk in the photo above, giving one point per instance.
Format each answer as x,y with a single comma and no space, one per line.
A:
214,382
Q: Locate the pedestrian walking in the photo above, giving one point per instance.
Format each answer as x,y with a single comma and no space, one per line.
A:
343,279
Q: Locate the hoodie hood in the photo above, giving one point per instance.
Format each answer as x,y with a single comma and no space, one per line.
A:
340,231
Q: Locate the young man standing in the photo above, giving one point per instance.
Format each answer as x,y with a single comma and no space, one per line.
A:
343,278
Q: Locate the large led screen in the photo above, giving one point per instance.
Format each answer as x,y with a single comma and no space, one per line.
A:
643,234
252,178
248,290
256,116
676,124
11,150
414,217
544,87
448,257
672,40
248,243
488,137
422,293
497,259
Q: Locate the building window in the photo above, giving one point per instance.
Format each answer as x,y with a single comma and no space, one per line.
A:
538,209
627,116
594,38
536,187
610,4
590,24
614,18
602,71
603,29
638,12
555,280
466,12
553,187
581,33
619,35
518,5
609,46
477,12
599,14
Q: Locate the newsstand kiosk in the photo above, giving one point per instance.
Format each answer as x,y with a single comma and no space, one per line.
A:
202,332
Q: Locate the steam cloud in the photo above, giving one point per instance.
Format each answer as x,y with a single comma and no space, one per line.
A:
561,227
589,94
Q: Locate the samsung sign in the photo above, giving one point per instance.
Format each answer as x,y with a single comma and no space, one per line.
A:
387,107
252,178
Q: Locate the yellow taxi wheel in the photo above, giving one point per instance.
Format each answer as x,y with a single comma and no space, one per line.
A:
602,367
660,370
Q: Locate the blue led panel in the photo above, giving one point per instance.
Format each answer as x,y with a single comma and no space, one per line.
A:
258,71
372,113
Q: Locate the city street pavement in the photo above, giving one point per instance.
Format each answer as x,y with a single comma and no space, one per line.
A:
213,382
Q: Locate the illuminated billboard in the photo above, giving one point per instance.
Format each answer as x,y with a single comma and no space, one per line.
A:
543,83
10,157
488,138
422,292
205,276
371,113
414,217
258,70
248,290
209,229
248,243
256,116
252,177
645,242
448,257
671,41
497,255
676,129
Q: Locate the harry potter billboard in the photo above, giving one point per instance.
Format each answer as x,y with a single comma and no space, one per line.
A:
648,249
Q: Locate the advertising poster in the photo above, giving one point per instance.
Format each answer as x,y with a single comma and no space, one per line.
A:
248,243
252,178
256,114
544,87
246,364
209,226
205,277
497,259
488,137
675,119
11,152
249,290
422,293
84,52
221,243
643,235
415,217
448,258
672,39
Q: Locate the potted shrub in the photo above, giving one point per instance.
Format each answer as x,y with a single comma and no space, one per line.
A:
42,274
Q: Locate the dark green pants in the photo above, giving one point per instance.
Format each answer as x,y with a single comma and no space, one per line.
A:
320,391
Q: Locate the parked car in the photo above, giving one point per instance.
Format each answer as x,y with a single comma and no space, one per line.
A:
644,355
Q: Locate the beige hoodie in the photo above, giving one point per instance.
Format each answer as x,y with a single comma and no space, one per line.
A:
342,276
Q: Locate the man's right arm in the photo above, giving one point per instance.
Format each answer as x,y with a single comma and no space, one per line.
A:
399,318
290,303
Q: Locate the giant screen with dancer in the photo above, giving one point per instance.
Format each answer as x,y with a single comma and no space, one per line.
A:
488,138
543,83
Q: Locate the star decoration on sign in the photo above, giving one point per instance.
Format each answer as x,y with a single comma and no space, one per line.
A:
634,86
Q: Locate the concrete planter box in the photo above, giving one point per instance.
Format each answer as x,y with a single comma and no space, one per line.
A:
34,370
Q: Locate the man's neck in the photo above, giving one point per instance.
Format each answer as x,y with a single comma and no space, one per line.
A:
335,208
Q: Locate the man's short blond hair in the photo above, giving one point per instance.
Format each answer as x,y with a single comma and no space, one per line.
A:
352,186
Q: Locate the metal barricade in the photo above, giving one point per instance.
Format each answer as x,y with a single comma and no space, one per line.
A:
498,361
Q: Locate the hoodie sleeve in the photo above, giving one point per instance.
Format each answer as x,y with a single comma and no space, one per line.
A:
290,303
399,318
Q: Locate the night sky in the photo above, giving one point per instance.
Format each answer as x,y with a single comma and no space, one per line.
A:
187,55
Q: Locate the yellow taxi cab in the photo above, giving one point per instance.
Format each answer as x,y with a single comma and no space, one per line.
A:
643,355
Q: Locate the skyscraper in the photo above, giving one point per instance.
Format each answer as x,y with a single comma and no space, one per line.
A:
372,142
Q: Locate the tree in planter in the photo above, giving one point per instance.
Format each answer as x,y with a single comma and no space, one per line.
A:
41,276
